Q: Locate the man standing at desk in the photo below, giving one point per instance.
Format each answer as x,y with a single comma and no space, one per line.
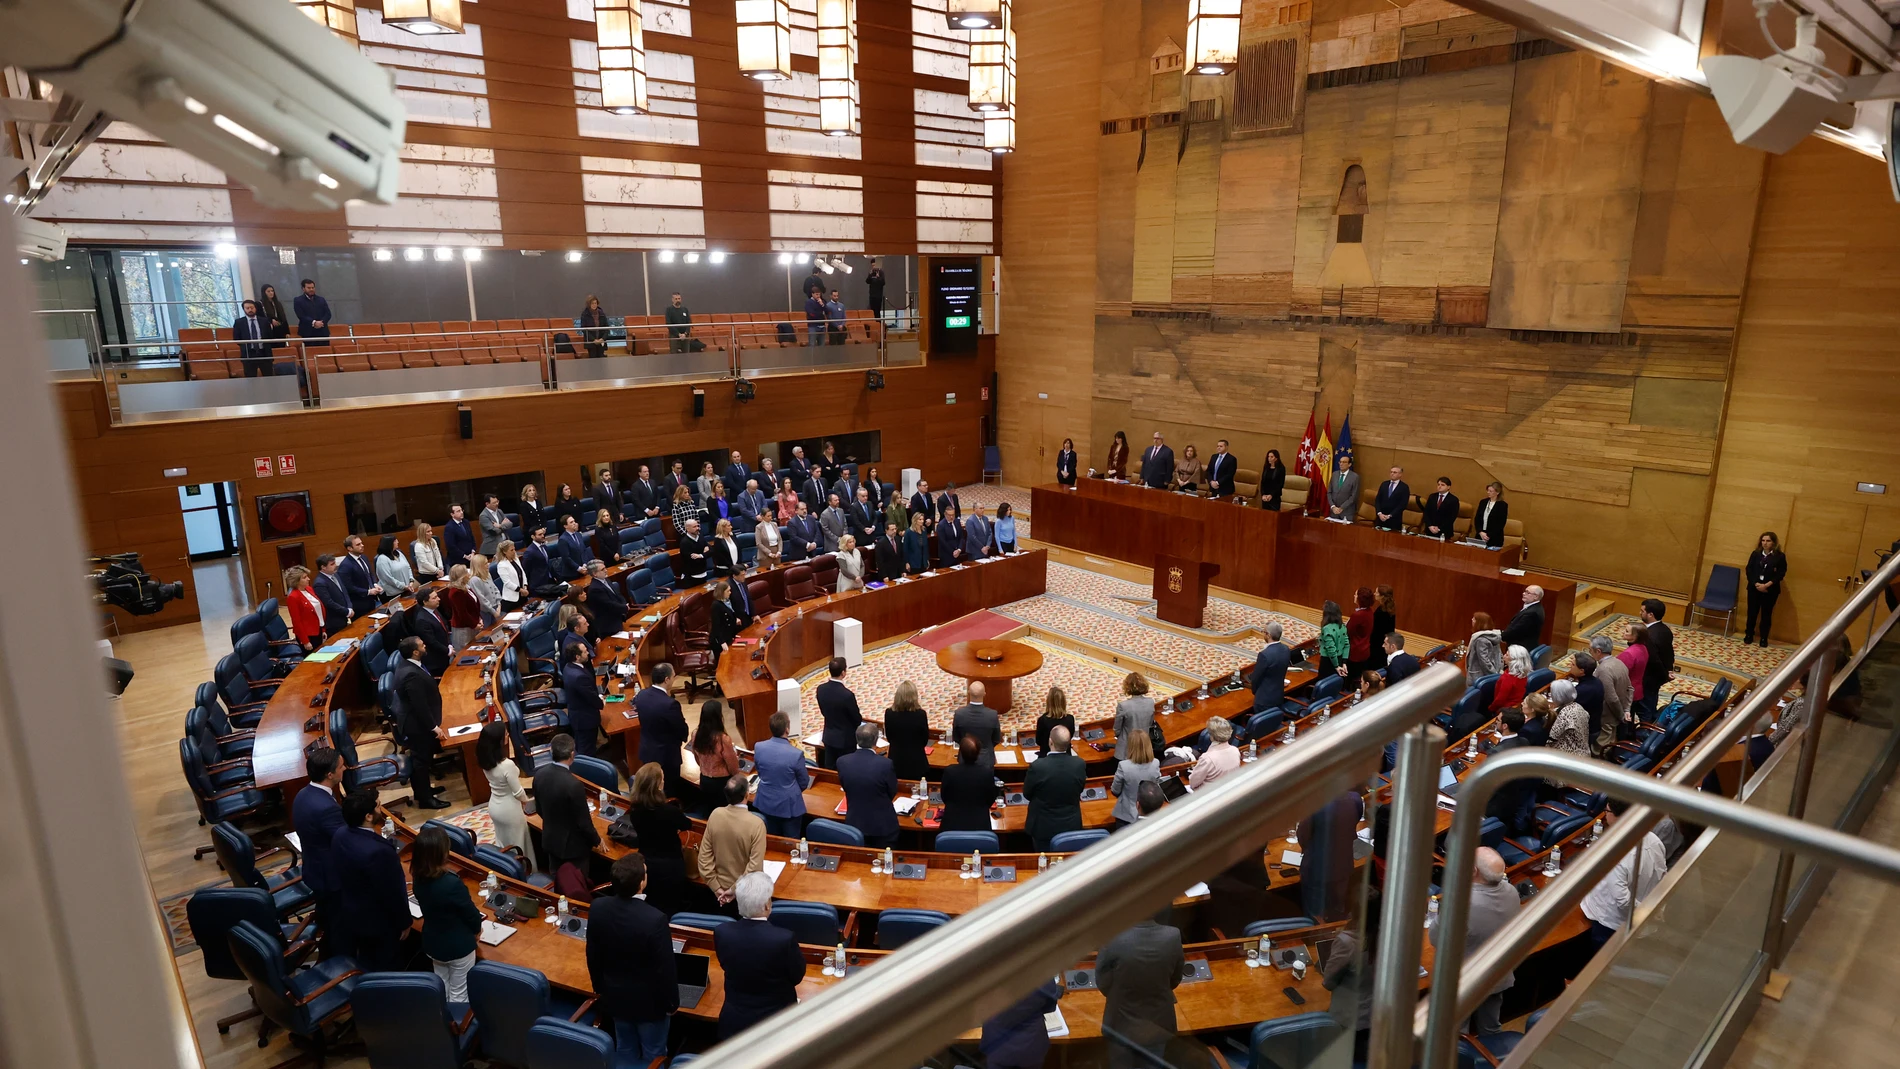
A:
869,783
421,700
1342,493
839,708
1268,679
1220,471
313,314
981,723
318,818
1526,629
1388,506
1137,972
358,578
1157,465
662,728
1440,512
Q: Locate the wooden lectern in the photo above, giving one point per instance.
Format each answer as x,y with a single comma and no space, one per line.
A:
1181,588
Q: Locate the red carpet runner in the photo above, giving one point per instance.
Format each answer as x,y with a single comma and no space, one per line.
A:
980,624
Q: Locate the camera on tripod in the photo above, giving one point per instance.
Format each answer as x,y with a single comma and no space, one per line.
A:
122,582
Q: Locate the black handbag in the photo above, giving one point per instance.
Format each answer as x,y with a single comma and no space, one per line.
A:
621,831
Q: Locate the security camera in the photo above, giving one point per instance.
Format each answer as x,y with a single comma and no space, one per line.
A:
255,88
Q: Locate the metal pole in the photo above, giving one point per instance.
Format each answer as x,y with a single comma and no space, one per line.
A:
1815,694
468,274
1401,934
646,291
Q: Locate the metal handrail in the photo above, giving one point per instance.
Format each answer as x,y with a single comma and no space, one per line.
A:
1001,950
1518,938
1445,1009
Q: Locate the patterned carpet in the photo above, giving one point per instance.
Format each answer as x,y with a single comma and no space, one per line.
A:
178,926
1090,684
1703,649
992,495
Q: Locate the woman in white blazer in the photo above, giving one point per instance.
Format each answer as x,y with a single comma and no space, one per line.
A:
512,577
850,565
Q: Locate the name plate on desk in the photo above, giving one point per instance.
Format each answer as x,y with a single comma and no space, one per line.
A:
1196,970
823,863
999,874
909,870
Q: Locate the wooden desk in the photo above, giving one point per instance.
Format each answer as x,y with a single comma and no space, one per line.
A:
1294,558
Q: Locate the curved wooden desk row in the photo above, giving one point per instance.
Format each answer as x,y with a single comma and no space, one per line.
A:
1236,996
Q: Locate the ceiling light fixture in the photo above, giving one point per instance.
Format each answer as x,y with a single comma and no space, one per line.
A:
574,256
1213,36
764,38
383,256
666,256
993,66
623,56
338,15
424,17
838,67
974,14
413,255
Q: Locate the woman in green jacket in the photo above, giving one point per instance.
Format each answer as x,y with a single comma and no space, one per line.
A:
1335,647
450,921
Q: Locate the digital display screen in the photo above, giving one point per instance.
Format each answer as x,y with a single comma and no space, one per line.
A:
955,291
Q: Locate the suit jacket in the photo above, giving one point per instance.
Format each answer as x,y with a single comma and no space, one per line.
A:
839,707
834,525
1490,518
1392,499
949,543
662,727
1053,786
630,960
762,966
916,552
311,308
434,634
1272,485
570,554
1399,666
735,479
968,793
536,561
642,496
725,559
1526,629
846,487
583,695
751,504
1515,801
1440,511
1268,678
1017,1036
908,732
725,625
1157,466
494,529
803,530
250,341
567,828
609,608
421,698
1342,493
695,557
925,504
981,723
1137,972
317,818
357,576
800,471
869,783
783,777
1065,467
1770,568
1220,474
458,541
1326,839
1662,658
1615,677
670,484
865,520
372,895
890,557
336,603
977,538
607,494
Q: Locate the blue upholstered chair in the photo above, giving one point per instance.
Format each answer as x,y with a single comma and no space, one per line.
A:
406,1022
461,840
962,842
895,927
304,1002
553,1043
1069,841
253,654
358,773
240,695
1719,595
812,922
211,914
597,771
1276,924
836,833
226,768
508,1000
706,921
214,805
239,857
209,694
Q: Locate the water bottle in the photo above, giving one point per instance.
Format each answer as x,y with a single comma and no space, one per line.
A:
1253,750
803,854
389,828
1431,914
1326,713
841,959
1042,862
1596,830
1291,731
890,863
923,788
1471,747
1266,947
1236,677
560,909
1554,863
489,884
1202,692
976,864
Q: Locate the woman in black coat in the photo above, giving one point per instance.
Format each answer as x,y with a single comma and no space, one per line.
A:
968,791
594,327
1055,713
1065,463
907,727
1767,567
1272,481
726,622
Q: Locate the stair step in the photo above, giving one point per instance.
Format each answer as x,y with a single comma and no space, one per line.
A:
1591,610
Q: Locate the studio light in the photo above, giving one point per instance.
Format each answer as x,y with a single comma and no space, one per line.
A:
803,258
838,262
825,266
224,251
717,256
785,258
692,257
472,255
666,256
574,256
383,256
444,255
413,255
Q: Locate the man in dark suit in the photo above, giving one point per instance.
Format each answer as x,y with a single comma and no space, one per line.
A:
1220,471
643,496
567,827
761,961
420,699
424,621
1439,512
630,961
458,538
1398,663
570,550
537,562
1326,839
846,485
948,501
980,722
1268,678
890,554
695,554
583,695
1517,800
358,578
736,476
1157,465
607,494
1388,505
1053,786
662,728
1526,629
869,782
602,602
978,542
922,503
372,896
336,601
839,707
950,540
317,818
1017,1038
251,334
1137,973
804,539
1662,657
864,518
799,468
672,481
751,504
313,314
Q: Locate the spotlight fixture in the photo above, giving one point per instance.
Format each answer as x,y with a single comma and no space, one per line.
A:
424,17
974,14
825,266
383,256
666,256
692,257
472,255
573,256
717,256
803,258
785,258
413,255
742,390
444,255
873,380
838,262
224,250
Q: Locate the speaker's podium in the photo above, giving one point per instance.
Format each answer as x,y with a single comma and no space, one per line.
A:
1181,588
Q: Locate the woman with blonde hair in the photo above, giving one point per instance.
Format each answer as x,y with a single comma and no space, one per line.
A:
1135,715
1137,766
428,553
684,507
1221,757
513,577
726,561
464,610
306,609
907,727
482,585
850,565
1055,713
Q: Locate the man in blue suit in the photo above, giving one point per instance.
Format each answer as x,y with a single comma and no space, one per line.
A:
735,477
583,695
751,504
1388,505
358,578
869,782
458,538
336,601
372,895
1220,471
783,778
976,537
804,538
1157,465
1398,663
536,560
950,540
573,551
313,314
662,728
1268,678
317,819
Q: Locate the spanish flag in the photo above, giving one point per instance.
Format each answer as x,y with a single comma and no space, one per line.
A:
1322,463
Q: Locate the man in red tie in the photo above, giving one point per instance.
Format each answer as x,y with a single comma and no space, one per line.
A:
1441,512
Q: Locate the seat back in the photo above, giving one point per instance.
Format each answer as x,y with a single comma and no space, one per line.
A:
1328,687
501,861
895,927
368,652
1720,692
1725,582
260,957
815,923
759,593
213,709
248,624
518,738
1561,828
403,1018
237,855
706,921
554,1043
214,911
198,730
195,776
824,573
508,1000
275,629
798,583
1297,1040
461,840
1068,841
253,655
1265,723
340,739
233,684
639,583
1277,924
822,830
596,771
1540,656
962,842
1539,679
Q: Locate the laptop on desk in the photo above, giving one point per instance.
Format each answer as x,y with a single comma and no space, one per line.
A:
1448,781
692,971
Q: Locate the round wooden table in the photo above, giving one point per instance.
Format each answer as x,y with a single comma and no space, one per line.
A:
996,662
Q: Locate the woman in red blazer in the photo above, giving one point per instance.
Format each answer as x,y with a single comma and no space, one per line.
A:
1359,632
306,611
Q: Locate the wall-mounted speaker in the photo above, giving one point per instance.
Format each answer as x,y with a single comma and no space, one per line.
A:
467,416
699,403
284,515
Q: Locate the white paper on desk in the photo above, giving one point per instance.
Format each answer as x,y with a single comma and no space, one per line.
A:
1008,757
1513,571
929,573
1446,801
1029,756
1055,1024
379,616
1366,834
415,908
512,617
495,934
883,742
1290,857
295,841
623,634
773,868
903,806
1195,891
465,729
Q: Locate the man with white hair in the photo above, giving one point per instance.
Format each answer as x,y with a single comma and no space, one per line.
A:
762,962
1615,677
1493,903
1268,678
1526,629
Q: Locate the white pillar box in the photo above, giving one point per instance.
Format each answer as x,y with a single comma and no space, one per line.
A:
847,641
909,479
788,701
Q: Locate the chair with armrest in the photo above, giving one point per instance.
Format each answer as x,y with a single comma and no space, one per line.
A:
1517,851
833,832
1277,924
815,923
526,752
232,740
1070,841
799,585
1540,679
1265,722
705,921
239,856
556,1043
461,840
407,1022
962,842
660,567
1282,1042
358,773
509,686
1540,656
597,771
285,651
508,1000
693,661
304,1002
640,591
824,573
510,865
276,631
243,718
748,544
253,654
369,652
241,696
212,912
226,770
215,806
895,927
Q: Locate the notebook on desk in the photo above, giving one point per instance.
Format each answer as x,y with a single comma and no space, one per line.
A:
692,972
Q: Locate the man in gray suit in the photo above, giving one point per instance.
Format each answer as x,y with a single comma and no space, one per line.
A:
1157,465
1268,678
1615,677
976,536
751,503
1493,903
1137,972
833,524
981,723
1342,493
494,525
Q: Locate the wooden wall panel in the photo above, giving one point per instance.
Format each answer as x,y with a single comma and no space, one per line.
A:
1253,239
1447,174
1572,183
1195,214
1346,126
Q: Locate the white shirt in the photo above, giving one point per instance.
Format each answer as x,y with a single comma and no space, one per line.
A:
1608,903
